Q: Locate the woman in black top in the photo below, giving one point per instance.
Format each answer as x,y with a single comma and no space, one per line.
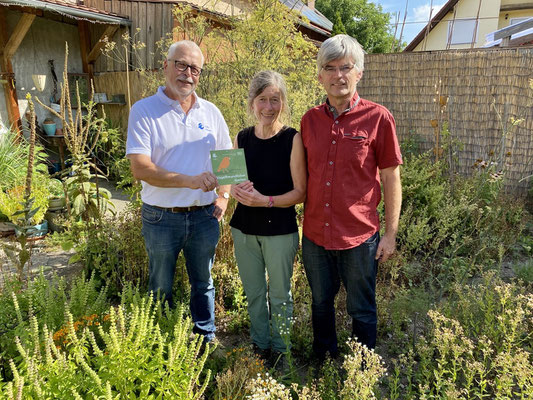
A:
264,228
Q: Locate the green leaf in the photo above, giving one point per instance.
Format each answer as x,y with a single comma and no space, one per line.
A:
75,258
67,245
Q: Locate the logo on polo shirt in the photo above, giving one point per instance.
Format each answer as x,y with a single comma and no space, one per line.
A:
202,126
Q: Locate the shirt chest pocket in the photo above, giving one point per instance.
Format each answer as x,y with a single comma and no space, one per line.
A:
358,144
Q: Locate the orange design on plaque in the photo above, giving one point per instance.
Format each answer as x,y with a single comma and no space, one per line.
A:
223,164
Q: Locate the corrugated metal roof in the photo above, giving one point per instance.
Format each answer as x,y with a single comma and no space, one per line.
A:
76,11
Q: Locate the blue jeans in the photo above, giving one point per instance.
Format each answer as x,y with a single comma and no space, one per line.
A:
357,269
196,233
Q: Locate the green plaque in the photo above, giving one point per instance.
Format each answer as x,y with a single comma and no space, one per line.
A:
229,166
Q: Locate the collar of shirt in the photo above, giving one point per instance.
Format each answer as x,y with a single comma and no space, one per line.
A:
353,103
175,103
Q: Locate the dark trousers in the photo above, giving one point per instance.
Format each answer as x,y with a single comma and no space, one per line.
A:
357,269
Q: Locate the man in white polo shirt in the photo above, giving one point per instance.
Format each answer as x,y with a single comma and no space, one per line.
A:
170,135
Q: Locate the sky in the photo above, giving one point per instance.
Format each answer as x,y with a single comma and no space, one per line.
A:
418,12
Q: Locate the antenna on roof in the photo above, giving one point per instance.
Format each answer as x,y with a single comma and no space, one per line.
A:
428,26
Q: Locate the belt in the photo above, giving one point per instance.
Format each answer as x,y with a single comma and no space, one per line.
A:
182,209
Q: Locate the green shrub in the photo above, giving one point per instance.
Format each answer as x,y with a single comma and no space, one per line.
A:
14,160
450,230
12,201
524,271
114,250
47,302
131,358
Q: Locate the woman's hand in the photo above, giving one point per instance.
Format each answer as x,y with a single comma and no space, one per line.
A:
245,193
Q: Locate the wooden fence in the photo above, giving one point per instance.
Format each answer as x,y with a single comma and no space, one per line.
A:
468,90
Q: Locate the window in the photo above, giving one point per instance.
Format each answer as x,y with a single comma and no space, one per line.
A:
514,21
462,31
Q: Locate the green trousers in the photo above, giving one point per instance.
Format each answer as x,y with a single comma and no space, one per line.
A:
269,300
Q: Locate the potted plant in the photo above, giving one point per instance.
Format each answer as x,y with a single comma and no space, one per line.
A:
49,126
12,205
56,200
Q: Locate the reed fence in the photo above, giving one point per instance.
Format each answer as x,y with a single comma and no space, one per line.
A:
477,93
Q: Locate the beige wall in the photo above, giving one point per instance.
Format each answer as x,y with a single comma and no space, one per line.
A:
505,17
466,9
226,7
512,2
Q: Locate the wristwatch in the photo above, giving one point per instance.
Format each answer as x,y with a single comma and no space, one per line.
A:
224,195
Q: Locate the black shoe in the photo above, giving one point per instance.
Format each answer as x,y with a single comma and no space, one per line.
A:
279,362
317,361
262,354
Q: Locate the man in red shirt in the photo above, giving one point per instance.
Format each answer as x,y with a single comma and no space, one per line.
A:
350,143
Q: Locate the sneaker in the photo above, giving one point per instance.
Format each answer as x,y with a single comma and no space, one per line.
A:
216,348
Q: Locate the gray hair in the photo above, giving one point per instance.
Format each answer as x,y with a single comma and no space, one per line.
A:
263,80
186,43
341,46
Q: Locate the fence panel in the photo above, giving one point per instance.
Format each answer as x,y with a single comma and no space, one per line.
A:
478,87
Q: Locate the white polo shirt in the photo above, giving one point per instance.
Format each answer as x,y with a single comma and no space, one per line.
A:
178,142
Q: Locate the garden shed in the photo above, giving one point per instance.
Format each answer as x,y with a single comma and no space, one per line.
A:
32,47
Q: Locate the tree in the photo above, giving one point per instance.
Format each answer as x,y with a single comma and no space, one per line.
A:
362,20
338,26
266,38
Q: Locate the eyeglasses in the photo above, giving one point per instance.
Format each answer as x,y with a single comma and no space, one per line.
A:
344,69
182,67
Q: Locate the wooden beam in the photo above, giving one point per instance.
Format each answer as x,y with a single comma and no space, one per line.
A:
10,91
515,7
18,34
95,52
511,30
85,46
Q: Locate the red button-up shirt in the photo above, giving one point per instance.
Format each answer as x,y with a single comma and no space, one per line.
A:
344,156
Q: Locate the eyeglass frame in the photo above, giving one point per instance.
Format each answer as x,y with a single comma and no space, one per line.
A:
347,69
192,67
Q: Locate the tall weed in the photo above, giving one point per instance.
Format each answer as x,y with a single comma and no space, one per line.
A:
449,231
476,345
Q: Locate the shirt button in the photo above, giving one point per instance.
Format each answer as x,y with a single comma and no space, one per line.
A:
327,183
337,122
331,163
334,142
327,224
327,204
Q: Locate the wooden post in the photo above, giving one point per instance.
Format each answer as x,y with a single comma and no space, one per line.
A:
8,47
85,48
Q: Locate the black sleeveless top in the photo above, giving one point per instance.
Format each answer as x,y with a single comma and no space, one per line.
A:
268,164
